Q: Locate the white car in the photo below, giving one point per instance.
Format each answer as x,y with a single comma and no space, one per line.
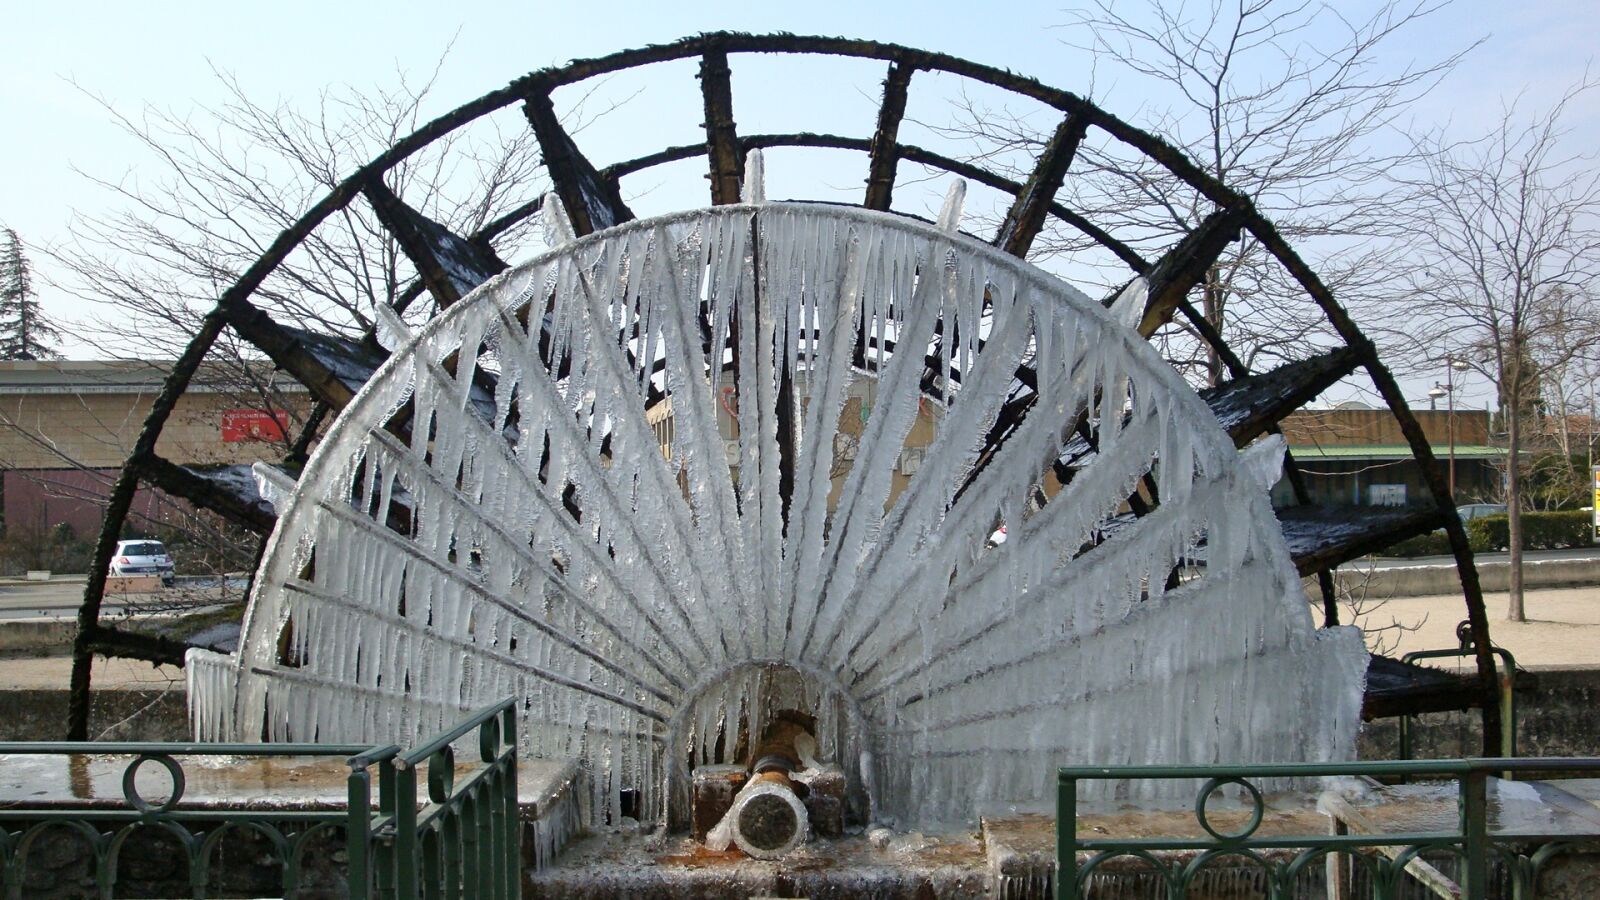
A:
1479,510
142,557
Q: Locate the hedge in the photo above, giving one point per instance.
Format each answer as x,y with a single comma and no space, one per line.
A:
1540,531
1434,543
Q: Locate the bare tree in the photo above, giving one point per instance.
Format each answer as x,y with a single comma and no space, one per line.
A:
1565,350
216,184
1504,236
220,182
1280,99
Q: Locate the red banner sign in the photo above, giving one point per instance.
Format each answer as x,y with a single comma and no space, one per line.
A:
239,425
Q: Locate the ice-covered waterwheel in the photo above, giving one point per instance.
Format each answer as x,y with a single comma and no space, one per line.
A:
761,458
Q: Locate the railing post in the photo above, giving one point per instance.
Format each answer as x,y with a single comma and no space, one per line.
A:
1475,833
512,814
1066,838
383,856
455,871
405,831
433,874
494,816
358,833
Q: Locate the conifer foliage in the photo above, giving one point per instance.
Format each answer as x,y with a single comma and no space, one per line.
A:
24,331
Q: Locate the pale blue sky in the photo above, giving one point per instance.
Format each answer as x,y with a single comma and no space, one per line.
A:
161,54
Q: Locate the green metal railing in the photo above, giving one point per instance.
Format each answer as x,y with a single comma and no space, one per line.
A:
461,840
465,842
1178,861
198,832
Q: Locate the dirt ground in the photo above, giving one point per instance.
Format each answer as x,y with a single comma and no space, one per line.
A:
1563,627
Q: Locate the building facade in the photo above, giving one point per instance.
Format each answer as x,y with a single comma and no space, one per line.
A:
66,427
1359,457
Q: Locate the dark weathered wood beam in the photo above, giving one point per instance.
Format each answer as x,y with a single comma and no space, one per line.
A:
1026,217
1248,406
300,449
285,347
1321,538
884,149
182,481
722,141
592,201
1186,265
908,152
448,264
108,641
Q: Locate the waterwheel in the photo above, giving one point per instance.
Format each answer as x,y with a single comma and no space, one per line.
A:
676,470
499,512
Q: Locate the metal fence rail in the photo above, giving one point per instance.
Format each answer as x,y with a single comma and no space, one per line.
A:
465,841
198,831
1384,855
460,840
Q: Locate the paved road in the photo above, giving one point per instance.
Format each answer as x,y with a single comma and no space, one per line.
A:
60,597
1527,556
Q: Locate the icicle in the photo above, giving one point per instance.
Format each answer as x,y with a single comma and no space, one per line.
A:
557,225
1262,461
954,199
754,187
273,484
1128,307
392,331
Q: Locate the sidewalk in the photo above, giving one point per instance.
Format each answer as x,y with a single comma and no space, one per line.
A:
55,672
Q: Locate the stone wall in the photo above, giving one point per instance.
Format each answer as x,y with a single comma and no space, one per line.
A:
1561,718
114,715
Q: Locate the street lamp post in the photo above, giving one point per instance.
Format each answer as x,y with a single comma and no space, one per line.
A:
1452,366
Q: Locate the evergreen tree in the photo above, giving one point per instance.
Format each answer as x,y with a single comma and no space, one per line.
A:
24,331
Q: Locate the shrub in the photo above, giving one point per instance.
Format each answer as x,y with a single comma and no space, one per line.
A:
38,546
1540,530
1434,543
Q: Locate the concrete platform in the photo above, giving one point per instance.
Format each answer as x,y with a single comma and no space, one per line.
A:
1021,850
1013,857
